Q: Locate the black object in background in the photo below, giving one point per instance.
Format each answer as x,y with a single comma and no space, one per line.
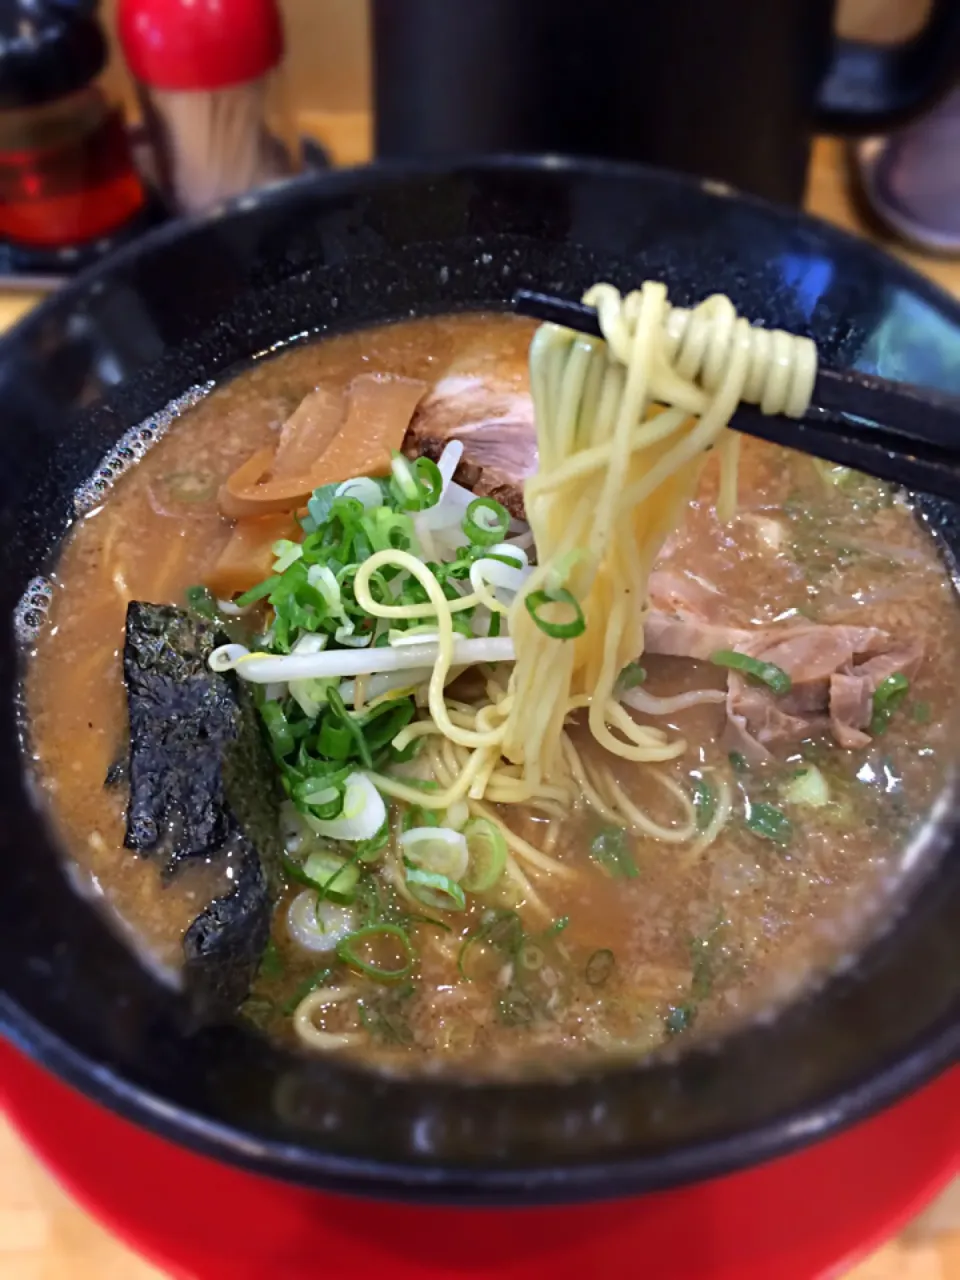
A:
728,89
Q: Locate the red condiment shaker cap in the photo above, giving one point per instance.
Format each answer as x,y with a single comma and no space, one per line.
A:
200,44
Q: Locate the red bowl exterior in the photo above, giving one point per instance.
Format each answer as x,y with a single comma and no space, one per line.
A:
803,1217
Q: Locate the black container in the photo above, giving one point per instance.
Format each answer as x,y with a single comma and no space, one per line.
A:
350,249
728,89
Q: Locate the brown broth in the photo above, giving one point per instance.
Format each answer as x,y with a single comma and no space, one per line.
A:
697,945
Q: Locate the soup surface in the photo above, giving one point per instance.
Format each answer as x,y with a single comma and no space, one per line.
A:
640,939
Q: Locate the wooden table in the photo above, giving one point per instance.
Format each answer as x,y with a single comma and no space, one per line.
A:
44,1236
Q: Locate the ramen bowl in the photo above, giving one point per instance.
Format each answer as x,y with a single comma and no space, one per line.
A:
187,306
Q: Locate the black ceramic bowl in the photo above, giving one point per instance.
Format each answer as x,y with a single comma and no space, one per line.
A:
189,304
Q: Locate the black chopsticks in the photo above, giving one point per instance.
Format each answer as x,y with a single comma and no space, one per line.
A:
898,432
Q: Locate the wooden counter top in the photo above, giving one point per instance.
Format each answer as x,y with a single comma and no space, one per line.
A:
44,1236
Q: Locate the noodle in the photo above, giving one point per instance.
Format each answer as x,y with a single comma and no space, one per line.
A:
307,1029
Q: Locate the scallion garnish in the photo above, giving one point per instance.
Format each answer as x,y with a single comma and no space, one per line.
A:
771,823
704,803
348,722
631,675
334,877
767,673
887,697
259,592
271,962
435,890
370,850
428,477
486,853
303,990
609,848
371,934
537,601
486,521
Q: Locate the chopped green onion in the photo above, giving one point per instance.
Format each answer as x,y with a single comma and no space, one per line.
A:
609,848
887,698
416,816
487,854
435,890
304,988
332,875
271,962
599,967
259,592
440,850
415,485
320,506
348,722
321,796
278,727
486,521
767,673
370,850
347,951
362,814
556,927
430,481
771,823
295,872
501,929
808,787
363,490
286,553
704,803
385,1017
631,675
537,600
738,762
922,712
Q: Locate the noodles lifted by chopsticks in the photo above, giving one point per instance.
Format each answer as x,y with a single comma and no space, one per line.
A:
623,429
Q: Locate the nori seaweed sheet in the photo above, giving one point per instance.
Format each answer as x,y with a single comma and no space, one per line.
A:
202,785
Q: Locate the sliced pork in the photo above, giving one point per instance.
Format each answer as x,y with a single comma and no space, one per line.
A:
834,672
495,423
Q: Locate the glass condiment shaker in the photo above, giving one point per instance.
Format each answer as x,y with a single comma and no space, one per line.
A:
212,94
67,176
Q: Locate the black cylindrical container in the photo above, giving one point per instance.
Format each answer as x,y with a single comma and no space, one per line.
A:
732,91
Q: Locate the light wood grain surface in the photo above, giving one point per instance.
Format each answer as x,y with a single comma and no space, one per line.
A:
45,1236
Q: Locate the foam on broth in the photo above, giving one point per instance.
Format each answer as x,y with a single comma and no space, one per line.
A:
697,945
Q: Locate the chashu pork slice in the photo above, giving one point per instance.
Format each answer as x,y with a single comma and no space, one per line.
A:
493,419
